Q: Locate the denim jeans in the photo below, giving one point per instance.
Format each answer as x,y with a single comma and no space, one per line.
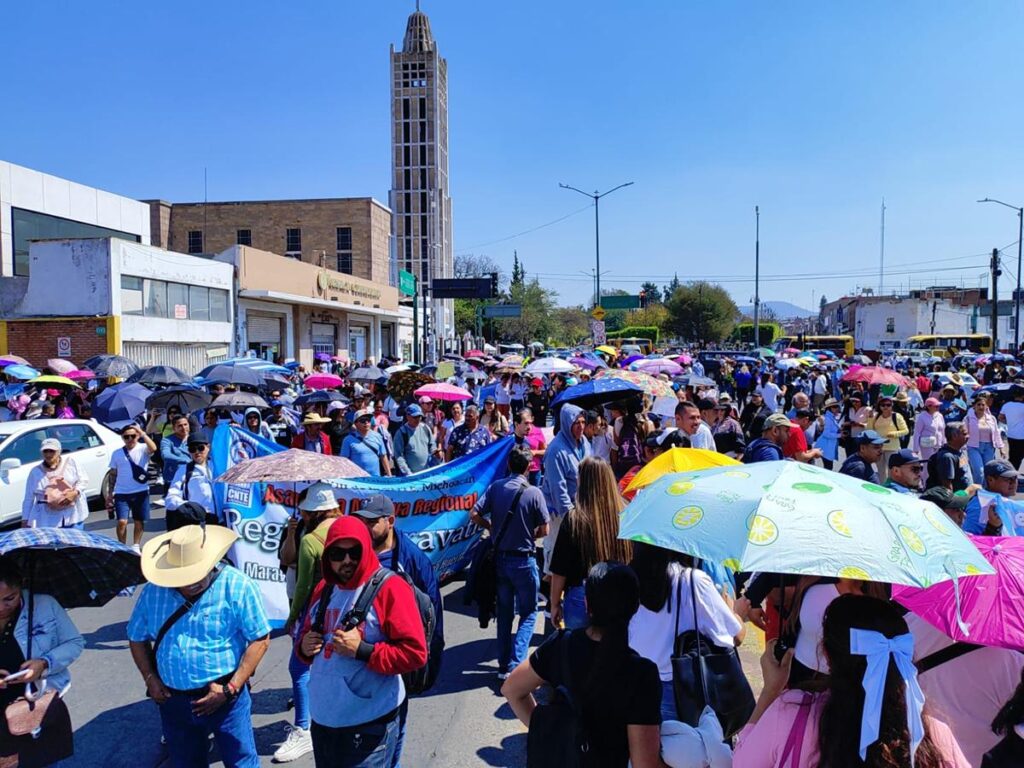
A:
574,608
187,733
366,746
518,582
300,691
978,457
668,701
403,715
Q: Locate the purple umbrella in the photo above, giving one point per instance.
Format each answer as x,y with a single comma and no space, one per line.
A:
631,359
654,367
586,362
322,357
992,606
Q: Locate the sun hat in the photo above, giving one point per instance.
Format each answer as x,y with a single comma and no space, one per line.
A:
319,496
313,418
185,556
832,403
375,507
902,397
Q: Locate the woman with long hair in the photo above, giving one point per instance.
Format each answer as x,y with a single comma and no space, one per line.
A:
984,443
666,604
616,688
870,713
890,425
629,451
589,536
1008,723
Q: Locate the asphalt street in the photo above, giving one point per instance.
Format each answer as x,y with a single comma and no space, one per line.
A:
462,721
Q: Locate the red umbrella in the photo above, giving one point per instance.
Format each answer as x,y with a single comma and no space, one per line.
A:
475,353
323,381
872,374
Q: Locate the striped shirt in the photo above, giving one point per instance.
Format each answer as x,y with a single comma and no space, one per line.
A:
209,640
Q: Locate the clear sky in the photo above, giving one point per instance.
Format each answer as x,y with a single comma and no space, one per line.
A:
813,111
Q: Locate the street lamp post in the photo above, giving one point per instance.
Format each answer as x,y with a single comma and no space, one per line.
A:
1016,293
596,196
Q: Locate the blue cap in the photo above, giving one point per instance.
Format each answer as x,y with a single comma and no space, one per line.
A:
275,403
413,410
869,437
902,457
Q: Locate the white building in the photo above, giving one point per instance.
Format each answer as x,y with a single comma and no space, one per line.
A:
38,206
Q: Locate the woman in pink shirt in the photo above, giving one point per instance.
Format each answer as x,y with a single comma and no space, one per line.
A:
870,713
984,443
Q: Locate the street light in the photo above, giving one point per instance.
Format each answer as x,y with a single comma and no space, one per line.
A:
597,231
1016,294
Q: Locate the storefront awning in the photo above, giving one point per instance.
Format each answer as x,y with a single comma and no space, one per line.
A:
310,301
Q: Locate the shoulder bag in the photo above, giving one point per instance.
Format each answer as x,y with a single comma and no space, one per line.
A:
57,489
706,674
138,473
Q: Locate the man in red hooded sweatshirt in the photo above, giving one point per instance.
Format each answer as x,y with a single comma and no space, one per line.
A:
355,683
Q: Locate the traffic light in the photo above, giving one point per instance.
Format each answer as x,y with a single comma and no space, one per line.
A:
494,285
643,298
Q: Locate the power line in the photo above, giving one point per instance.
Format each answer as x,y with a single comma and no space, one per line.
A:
525,231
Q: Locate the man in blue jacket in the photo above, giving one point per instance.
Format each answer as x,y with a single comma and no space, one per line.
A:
174,449
561,471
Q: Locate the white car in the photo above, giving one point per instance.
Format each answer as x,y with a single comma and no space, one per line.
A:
968,384
89,443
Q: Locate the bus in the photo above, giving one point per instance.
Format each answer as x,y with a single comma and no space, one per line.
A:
951,344
841,345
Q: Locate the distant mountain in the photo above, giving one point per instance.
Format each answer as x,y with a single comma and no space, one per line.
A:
782,309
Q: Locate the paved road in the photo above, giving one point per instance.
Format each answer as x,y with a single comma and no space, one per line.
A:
463,721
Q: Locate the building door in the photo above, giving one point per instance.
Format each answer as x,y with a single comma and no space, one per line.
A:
387,340
357,342
325,338
263,335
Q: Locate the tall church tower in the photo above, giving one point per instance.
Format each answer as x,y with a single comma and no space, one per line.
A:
422,210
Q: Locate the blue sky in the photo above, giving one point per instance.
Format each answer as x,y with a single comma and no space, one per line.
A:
814,111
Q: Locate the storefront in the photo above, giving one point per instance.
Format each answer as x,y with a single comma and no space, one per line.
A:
307,310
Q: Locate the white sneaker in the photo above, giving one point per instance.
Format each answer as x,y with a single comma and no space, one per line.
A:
297,744
503,675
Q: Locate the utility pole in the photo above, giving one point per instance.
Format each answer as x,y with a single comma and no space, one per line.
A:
757,277
996,272
935,304
1016,293
596,197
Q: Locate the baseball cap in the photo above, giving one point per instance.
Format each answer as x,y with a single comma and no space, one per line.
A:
197,438
426,399
489,399
945,498
319,496
778,420
50,444
365,413
413,410
869,437
999,468
334,405
375,507
932,401
903,457
276,403
536,383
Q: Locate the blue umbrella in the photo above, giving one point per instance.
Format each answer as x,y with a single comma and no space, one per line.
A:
595,391
247,362
321,396
231,374
25,372
75,567
160,376
120,404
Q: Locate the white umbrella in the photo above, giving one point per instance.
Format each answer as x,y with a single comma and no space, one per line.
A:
549,365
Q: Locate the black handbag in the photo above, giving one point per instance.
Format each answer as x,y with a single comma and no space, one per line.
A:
706,674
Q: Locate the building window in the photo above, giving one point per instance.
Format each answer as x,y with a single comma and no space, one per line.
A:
218,305
131,295
244,237
293,243
198,302
177,300
195,241
155,292
405,109
344,248
29,225
423,107
890,325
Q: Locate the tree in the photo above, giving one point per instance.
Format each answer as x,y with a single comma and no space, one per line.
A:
768,314
471,265
537,321
518,273
651,292
652,315
572,325
701,312
670,289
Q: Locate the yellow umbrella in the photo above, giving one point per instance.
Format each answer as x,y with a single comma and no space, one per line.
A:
678,460
606,349
57,380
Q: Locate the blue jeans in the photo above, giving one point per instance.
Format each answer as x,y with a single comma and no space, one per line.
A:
403,715
574,608
518,583
978,457
365,746
300,690
187,734
668,701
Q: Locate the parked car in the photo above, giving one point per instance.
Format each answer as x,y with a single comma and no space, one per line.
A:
963,381
89,443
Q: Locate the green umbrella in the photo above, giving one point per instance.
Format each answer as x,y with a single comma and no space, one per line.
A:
766,352
787,517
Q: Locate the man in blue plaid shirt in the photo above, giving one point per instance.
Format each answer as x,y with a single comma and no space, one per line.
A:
198,672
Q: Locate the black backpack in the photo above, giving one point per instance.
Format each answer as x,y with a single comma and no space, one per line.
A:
422,679
557,737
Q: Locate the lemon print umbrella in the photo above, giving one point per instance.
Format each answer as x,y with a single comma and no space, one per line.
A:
679,460
787,517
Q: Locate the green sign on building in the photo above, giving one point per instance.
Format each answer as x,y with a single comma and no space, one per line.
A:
406,282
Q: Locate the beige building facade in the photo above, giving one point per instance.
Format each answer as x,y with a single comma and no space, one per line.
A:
296,310
347,235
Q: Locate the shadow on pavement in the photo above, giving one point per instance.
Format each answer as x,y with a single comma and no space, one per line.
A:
477,667
511,752
112,637
270,701
125,737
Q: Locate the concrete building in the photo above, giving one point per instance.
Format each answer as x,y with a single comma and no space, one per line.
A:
38,206
294,310
422,221
107,295
346,235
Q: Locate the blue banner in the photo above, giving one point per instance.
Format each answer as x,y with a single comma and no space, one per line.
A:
432,507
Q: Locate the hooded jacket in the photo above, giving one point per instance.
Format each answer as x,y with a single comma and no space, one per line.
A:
562,464
346,691
262,430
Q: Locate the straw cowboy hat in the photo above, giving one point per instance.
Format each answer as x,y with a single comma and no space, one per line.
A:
314,418
185,556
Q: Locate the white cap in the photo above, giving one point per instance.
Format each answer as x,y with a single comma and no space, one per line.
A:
50,444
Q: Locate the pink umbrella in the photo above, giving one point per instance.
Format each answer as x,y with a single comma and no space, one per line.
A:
683,359
992,606
80,375
475,353
791,351
441,391
654,367
323,381
873,374
9,359
60,366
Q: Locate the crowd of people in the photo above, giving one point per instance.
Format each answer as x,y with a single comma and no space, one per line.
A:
840,683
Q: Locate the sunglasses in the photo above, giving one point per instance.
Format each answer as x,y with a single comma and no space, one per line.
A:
197,448
132,436
338,554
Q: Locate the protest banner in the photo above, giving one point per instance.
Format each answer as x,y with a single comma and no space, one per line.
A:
432,507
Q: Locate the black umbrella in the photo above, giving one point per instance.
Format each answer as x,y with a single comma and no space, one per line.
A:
239,400
321,396
187,398
160,376
233,374
372,373
694,381
111,365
